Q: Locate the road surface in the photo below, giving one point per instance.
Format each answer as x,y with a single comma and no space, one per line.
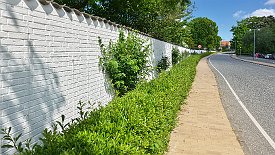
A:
248,95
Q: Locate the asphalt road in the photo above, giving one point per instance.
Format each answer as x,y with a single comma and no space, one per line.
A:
252,116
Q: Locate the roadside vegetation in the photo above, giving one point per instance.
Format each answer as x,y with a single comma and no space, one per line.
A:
243,35
125,62
140,122
163,64
204,32
176,56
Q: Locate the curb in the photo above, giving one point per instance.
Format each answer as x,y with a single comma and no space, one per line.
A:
254,62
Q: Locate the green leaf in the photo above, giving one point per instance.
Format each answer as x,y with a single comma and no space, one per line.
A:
7,138
6,146
9,130
3,131
62,118
16,138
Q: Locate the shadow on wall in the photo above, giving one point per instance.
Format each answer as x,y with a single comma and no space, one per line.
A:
107,83
30,92
33,94
158,52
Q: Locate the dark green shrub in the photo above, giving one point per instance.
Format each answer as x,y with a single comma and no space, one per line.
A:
125,61
50,137
163,64
176,56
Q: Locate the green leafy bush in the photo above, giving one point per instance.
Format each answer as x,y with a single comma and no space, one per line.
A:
140,122
50,137
125,61
163,64
176,56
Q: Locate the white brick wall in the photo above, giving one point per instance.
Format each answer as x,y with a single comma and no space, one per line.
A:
49,61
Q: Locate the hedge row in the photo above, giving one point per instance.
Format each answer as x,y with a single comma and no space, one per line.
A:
138,123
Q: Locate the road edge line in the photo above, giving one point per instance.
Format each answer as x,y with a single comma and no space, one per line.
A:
263,132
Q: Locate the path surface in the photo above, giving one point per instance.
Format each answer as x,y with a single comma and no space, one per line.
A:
255,86
203,127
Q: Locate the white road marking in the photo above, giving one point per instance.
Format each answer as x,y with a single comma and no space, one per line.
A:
266,136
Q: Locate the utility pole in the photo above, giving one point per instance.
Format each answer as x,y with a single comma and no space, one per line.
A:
254,44
235,46
254,31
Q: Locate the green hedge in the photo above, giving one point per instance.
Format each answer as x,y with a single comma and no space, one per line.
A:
138,123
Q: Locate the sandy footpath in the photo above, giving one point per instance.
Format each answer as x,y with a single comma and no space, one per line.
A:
203,127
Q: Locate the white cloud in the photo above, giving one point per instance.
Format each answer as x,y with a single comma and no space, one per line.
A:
261,13
270,2
238,14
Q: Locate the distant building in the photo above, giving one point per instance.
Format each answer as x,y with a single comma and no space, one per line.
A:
225,44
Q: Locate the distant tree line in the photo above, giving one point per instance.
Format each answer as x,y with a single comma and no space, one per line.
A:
166,20
243,35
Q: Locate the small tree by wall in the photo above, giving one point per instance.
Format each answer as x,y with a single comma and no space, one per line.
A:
125,61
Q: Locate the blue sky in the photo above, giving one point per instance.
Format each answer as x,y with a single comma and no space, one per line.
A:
226,13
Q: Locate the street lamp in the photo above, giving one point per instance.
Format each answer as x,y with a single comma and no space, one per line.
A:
235,45
254,30
254,48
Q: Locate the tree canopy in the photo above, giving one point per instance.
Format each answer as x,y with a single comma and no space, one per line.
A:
243,35
163,19
203,32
